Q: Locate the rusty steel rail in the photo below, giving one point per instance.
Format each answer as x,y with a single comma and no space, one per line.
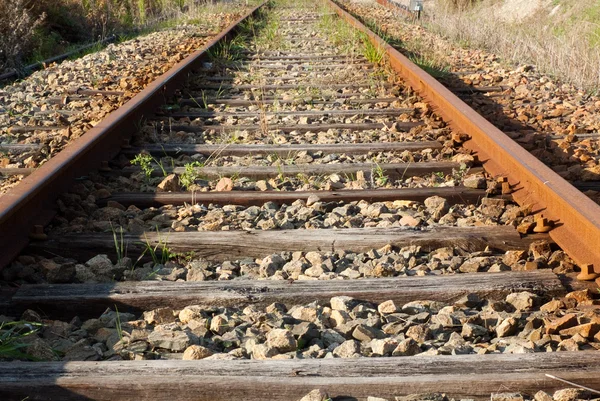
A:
32,201
576,217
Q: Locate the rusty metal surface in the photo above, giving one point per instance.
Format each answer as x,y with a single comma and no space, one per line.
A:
32,201
576,216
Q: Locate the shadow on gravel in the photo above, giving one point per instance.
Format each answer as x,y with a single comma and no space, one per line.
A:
491,108
539,144
41,381
34,392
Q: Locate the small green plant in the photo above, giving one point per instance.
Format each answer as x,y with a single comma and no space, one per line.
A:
124,37
12,336
381,178
373,54
231,138
160,165
118,325
184,257
144,160
303,178
461,172
234,177
227,52
280,170
350,177
160,253
340,33
204,100
190,174
433,67
203,97
119,243
269,35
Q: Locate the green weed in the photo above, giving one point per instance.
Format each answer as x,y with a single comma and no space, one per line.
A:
12,338
229,51
160,253
433,67
118,325
190,174
373,54
144,160
340,33
381,178
119,243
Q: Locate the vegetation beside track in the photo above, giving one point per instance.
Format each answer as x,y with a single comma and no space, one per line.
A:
32,31
560,37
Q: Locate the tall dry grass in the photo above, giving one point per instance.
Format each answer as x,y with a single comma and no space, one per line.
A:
563,44
37,29
17,31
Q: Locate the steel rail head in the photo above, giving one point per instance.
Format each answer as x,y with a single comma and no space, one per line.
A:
32,201
576,217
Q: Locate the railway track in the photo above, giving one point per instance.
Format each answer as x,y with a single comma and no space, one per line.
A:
562,134
297,208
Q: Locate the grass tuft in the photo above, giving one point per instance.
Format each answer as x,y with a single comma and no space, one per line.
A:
13,339
373,54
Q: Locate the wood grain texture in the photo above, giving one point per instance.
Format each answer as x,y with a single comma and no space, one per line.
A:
400,126
302,77
174,149
23,130
347,86
258,198
289,56
482,89
338,98
6,172
278,64
299,67
19,147
299,113
230,245
93,92
391,170
459,376
90,300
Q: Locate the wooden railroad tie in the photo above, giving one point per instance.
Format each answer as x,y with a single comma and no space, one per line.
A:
452,195
460,376
230,245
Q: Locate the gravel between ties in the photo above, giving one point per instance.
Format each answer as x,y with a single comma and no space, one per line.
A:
558,123
79,213
565,394
43,99
341,328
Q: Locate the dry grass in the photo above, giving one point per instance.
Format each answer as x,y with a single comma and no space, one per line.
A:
563,43
32,30
17,31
